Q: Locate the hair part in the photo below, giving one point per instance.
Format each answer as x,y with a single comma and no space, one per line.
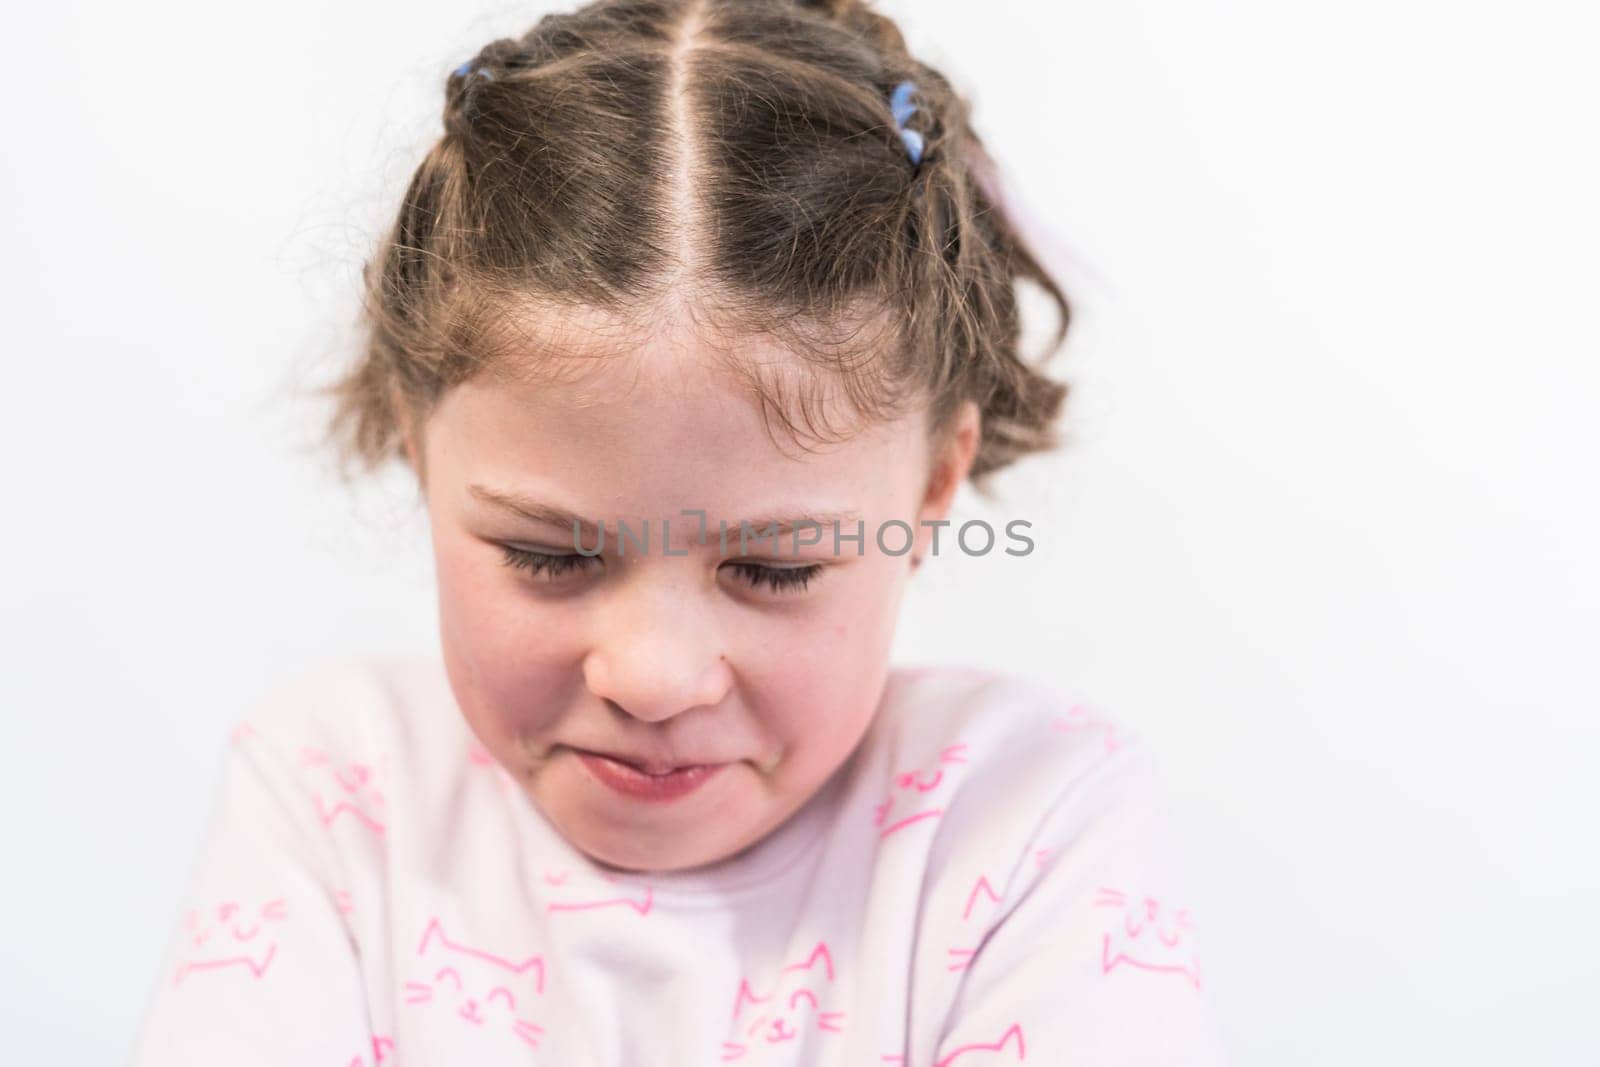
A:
733,160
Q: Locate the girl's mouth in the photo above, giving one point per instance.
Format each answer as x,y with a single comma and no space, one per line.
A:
639,784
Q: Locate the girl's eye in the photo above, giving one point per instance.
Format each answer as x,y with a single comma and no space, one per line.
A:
552,565
547,564
779,579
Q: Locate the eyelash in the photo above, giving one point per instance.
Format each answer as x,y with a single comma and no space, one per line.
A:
553,565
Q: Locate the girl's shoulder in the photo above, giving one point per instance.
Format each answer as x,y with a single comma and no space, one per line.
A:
347,702
350,731
996,717
984,756
1050,888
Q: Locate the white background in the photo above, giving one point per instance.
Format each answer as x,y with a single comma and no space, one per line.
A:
1324,531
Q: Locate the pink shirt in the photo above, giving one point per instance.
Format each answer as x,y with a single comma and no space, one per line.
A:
988,879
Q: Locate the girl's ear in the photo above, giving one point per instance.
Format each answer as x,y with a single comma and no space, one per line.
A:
951,463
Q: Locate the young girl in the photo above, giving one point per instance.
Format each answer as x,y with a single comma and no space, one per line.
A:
690,327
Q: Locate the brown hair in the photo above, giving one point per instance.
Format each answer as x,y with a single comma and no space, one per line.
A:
737,157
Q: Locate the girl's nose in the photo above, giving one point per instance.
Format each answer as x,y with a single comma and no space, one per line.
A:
655,656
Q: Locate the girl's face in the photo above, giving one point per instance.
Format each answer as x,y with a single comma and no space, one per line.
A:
675,652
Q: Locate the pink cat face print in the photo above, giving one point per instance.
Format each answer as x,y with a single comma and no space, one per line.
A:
796,1007
1009,1045
382,1054
569,891
344,791
982,900
491,996
1140,933
1082,720
917,794
232,937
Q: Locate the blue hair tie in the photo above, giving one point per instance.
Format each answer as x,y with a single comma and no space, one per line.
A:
466,68
900,104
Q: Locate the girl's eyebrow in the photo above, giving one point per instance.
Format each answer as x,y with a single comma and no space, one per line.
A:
529,508
539,511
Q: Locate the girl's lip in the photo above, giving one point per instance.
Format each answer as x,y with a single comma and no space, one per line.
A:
644,766
631,781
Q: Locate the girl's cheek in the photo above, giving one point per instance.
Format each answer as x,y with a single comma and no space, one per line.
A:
498,628
525,672
837,652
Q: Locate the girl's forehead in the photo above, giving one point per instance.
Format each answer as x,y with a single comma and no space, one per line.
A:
644,405
660,428
674,374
